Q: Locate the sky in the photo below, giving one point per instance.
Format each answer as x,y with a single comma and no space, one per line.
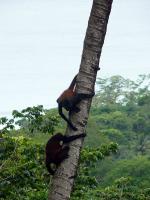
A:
41,45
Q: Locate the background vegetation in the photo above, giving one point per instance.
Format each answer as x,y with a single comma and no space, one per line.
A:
115,161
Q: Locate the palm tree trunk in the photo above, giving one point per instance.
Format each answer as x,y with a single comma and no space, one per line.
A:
62,184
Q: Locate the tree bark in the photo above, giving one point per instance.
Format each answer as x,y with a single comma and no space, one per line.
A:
62,184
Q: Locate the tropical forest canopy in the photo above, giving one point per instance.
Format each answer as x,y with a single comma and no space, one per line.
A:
115,160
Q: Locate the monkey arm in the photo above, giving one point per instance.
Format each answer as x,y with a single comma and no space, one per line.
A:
65,118
81,96
68,139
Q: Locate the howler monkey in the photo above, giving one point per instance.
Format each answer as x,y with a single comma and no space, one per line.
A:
69,100
57,151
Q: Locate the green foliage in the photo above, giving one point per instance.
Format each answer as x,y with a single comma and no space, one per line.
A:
117,89
113,134
7,124
22,170
23,174
89,157
137,168
116,120
36,118
122,189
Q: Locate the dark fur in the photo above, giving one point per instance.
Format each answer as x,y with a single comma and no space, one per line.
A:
57,152
69,100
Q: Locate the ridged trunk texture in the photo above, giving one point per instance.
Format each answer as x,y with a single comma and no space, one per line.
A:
62,184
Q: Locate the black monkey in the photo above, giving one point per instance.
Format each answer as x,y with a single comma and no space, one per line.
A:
69,100
57,151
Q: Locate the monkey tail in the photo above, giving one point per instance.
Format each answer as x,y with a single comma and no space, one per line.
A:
73,83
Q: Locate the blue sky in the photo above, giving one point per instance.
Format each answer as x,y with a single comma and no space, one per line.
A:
41,45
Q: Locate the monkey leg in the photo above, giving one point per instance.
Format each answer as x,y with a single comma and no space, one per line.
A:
74,109
80,96
62,155
48,166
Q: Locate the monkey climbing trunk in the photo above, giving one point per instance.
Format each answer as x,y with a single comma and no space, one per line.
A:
62,183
